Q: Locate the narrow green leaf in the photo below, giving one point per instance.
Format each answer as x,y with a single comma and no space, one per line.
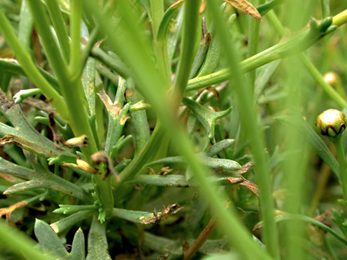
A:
316,142
159,180
313,222
71,209
214,163
132,215
164,24
206,117
219,147
25,26
66,223
213,58
15,170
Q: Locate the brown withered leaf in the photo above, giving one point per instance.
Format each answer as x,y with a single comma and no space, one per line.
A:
244,182
8,211
101,157
251,186
246,168
246,7
112,108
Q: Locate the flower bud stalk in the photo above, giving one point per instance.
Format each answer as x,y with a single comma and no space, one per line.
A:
332,123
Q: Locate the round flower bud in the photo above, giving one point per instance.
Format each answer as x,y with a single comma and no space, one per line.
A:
331,122
331,78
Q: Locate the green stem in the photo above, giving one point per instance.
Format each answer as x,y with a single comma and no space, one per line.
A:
59,27
310,67
160,45
75,28
325,8
30,68
320,80
337,141
157,12
253,40
189,38
251,130
275,52
25,25
340,18
52,50
116,65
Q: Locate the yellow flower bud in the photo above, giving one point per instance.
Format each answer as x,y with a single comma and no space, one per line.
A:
331,78
331,122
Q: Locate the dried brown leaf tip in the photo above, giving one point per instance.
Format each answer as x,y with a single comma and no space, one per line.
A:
112,108
244,182
246,7
8,211
101,157
161,216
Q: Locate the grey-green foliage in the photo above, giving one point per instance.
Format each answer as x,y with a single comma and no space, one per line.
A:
51,244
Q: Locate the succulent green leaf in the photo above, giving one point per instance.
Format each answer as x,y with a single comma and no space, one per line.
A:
159,180
66,223
39,178
219,147
212,60
201,54
206,117
78,246
15,170
132,215
24,135
49,240
71,209
97,242
214,163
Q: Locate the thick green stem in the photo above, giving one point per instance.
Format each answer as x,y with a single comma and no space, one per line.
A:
334,95
160,46
189,38
30,68
253,40
251,130
342,161
275,52
75,24
328,89
59,27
